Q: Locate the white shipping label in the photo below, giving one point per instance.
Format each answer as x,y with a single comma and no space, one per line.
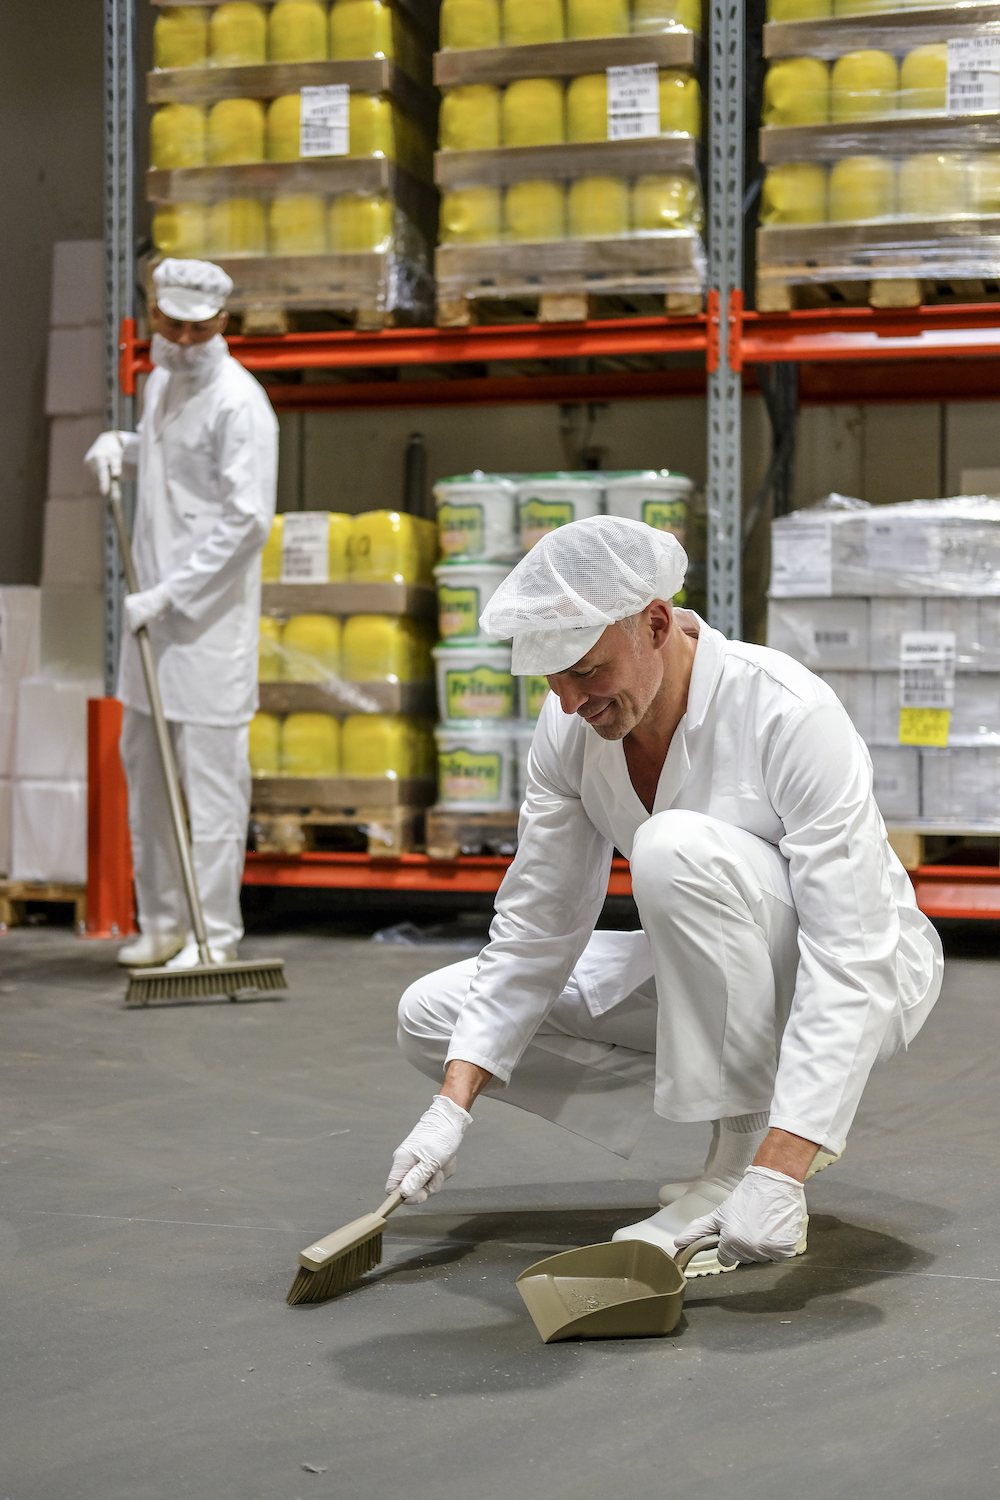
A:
973,74
898,545
841,639
305,547
927,669
633,102
324,119
802,561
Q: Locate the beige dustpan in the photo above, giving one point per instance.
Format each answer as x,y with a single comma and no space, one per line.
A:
625,1289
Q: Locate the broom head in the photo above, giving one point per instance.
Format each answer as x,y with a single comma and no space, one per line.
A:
334,1262
205,980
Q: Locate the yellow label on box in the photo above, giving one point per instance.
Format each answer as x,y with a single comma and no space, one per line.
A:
924,726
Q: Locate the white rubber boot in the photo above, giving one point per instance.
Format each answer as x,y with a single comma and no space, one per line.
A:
150,949
663,1227
189,957
671,1191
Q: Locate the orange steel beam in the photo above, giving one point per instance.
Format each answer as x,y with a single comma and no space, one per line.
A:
967,331
411,872
110,900
965,892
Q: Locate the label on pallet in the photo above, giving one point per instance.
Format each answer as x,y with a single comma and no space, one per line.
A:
926,686
324,119
973,74
802,560
633,102
901,544
305,547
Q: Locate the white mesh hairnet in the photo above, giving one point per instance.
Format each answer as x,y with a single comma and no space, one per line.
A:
575,582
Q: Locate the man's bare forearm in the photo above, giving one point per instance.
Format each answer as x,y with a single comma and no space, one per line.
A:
464,1082
784,1152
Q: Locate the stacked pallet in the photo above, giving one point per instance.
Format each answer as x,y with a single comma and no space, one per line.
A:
292,145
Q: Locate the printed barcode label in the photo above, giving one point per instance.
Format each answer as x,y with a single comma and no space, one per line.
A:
927,669
324,119
835,637
305,547
973,74
633,102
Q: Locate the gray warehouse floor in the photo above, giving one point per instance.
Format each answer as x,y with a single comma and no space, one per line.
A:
160,1170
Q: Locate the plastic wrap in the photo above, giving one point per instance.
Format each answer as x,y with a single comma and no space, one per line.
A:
877,188
866,634
467,24
380,746
960,787
896,781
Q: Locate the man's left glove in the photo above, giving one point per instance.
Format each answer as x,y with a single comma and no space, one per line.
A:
421,1165
762,1219
151,604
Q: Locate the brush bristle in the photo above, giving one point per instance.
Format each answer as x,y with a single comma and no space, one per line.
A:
199,983
318,1286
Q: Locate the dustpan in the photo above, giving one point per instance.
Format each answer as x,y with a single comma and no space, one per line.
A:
627,1289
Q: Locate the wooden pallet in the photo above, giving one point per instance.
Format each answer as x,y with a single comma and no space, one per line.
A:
564,59
885,292
314,697
14,894
419,601
386,832
451,833
918,844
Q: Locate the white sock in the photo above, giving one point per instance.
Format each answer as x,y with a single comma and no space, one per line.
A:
740,1138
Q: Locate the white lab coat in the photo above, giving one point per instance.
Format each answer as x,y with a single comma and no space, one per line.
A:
207,454
764,746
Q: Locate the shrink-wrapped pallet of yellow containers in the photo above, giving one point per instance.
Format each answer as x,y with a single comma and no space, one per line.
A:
567,154
292,143
880,139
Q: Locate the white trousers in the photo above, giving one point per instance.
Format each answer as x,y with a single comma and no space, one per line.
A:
214,769
699,1040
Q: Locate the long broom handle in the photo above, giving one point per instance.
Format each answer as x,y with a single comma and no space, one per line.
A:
163,745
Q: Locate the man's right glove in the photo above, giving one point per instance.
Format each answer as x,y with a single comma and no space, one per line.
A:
421,1165
104,459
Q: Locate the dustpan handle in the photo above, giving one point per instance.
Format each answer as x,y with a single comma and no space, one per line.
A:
707,1242
167,762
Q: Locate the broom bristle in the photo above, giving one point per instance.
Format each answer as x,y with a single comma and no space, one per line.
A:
317,1286
192,984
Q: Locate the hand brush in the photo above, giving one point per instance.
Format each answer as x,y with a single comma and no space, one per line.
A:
334,1262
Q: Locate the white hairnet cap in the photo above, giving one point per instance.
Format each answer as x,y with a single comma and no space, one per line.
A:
574,583
191,290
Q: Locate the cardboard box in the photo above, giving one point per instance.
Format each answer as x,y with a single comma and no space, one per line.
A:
74,382
72,633
73,543
961,785
888,618
77,284
49,831
896,781
856,691
19,657
69,439
6,806
823,634
51,741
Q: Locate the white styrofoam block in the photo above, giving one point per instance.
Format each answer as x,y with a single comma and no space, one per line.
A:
856,691
74,382
52,726
896,780
49,831
73,543
888,619
961,617
72,632
962,784
19,657
69,439
823,634
6,804
77,284
976,714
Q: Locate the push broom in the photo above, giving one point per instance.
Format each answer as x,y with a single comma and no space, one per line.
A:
206,978
334,1262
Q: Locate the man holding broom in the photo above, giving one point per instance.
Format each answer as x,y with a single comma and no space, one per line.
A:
781,950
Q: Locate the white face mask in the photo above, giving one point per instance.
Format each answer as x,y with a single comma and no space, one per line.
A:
197,361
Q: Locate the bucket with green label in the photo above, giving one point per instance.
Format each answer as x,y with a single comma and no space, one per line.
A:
477,517
475,682
547,501
534,691
464,589
657,497
477,767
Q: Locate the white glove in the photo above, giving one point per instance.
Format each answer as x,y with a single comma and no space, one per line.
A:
426,1158
151,604
762,1219
104,459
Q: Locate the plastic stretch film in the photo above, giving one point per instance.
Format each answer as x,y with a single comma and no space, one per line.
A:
587,208
393,746
514,23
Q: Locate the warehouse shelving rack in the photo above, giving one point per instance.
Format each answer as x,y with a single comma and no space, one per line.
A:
931,353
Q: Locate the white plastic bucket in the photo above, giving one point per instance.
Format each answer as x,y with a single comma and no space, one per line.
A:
464,589
533,691
477,767
475,682
477,517
546,501
523,734
657,497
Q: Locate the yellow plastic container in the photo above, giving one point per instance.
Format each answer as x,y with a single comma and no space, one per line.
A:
283,128
265,745
798,10
180,37
341,527
236,132
597,18
361,28
387,547
310,745
662,15
181,229
238,34
680,102
933,186
796,92
359,222
527,21
860,7
373,127
297,31
310,648
862,187
470,23
587,107
794,193
470,118
383,648
597,206
269,650
983,176
863,83
177,137
296,224
377,745
923,78
533,112
237,226
535,210
470,216
666,200
270,558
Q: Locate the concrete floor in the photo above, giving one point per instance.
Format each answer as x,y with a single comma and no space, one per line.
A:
160,1170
